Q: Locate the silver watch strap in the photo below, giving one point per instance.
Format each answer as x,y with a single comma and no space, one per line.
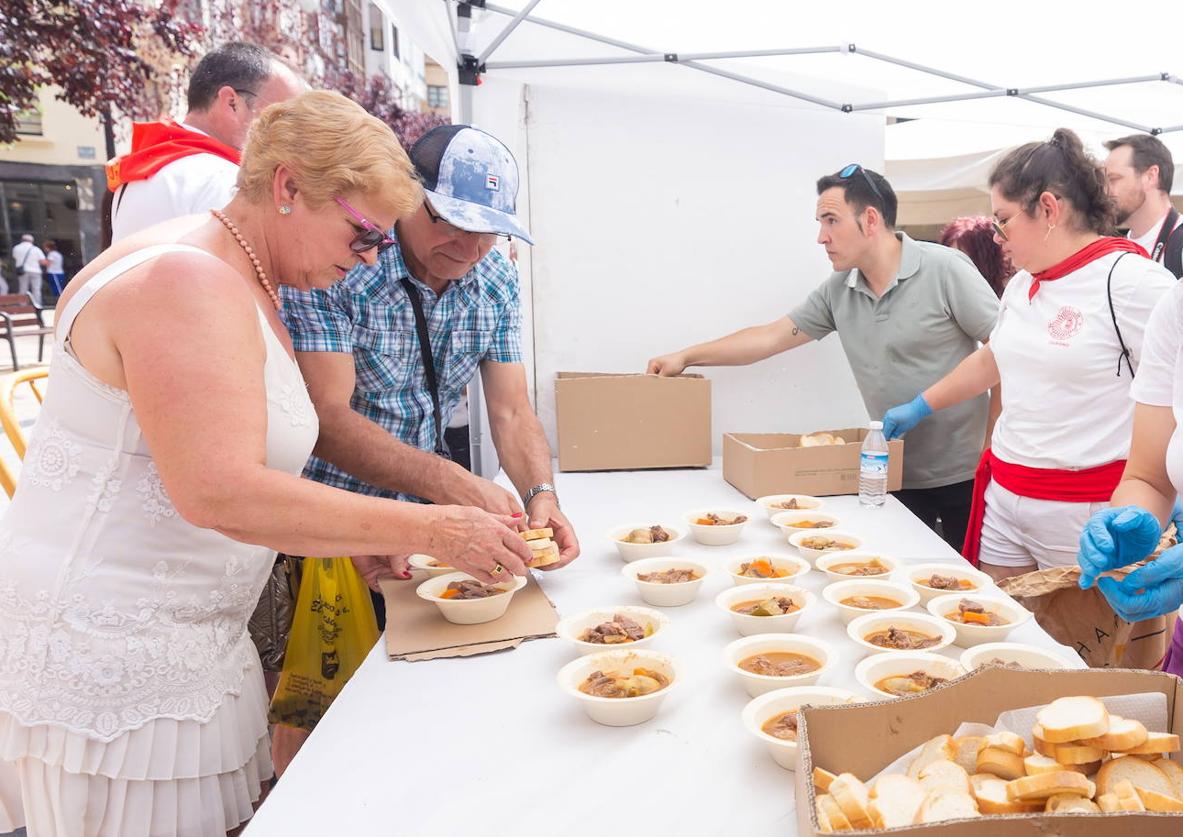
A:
538,489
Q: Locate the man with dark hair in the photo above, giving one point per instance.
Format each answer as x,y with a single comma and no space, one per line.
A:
1140,172
176,170
903,310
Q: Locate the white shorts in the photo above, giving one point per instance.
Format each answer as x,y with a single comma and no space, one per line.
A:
1019,531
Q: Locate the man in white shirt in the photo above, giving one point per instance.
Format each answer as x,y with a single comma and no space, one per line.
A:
176,170
29,260
1140,171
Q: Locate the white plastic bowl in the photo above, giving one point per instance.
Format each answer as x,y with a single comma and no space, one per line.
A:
618,712
1027,656
968,635
812,555
469,611
924,623
855,557
750,625
716,535
666,595
636,551
796,567
758,684
785,520
423,562
573,627
767,706
873,669
984,585
806,503
838,591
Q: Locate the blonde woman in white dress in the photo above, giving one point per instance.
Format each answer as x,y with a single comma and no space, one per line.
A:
162,476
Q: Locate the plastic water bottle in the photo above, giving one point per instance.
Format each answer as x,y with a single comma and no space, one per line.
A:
872,472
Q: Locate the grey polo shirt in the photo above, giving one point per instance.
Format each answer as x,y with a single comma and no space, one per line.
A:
898,345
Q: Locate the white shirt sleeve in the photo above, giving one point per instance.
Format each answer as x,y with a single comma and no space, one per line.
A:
1154,384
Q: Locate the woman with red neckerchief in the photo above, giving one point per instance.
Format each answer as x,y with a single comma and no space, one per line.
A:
1065,349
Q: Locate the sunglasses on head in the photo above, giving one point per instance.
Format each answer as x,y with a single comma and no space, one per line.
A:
853,169
371,235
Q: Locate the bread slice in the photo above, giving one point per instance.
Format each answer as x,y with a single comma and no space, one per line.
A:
1008,741
852,797
823,820
1156,742
1070,803
1073,718
935,749
944,775
1040,787
833,813
1174,772
948,805
1127,797
822,779
1078,754
1002,763
1139,772
1108,803
990,793
538,534
543,556
1124,734
1158,802
967,748
896,801
1036,764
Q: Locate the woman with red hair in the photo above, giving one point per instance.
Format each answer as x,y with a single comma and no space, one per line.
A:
974,236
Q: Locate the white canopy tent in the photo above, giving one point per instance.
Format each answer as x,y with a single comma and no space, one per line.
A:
670,206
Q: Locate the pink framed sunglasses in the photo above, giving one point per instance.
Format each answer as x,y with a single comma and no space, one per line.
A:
371,235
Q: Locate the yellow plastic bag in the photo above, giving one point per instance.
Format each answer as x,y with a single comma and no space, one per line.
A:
333,630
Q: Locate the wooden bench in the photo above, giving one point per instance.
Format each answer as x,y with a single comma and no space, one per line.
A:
19,317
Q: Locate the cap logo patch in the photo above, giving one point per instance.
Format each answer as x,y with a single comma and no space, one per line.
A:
492,183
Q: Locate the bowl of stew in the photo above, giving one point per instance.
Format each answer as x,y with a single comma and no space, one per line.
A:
979,619
859,596
622,687
465,601
932,580
898,632
764,608
666,582
772,717
763,662
840,566
755,569
907,673
605,628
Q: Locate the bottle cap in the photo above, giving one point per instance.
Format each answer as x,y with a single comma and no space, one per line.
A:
876,425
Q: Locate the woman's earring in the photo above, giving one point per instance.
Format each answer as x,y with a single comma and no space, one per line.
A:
1050,227
284,209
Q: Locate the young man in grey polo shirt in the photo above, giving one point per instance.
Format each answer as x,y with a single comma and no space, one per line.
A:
904,311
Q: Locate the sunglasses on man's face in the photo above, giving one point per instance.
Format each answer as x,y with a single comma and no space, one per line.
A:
853,169
371,235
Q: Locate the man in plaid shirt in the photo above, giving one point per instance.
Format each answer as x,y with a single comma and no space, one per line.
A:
359,349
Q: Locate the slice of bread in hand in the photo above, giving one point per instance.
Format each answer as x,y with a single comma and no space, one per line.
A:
1049,784
990,792
1066,803
1174,772
822,779
944,775
967,748
1138,772
1124,735
948,805
1002,763
896,801
852,797
538,534
543,556
1156,742
1072,718
935,749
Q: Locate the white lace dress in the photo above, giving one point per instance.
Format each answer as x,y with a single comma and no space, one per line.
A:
131,698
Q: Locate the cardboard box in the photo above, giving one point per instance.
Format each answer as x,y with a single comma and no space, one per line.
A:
865,738
624,422
759,464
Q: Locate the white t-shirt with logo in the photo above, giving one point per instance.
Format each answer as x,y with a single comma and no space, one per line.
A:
1150,238
1064,405
197,183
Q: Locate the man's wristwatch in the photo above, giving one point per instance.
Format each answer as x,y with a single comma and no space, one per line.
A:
538,489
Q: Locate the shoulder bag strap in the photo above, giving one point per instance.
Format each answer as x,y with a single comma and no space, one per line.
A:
441,447
1125,352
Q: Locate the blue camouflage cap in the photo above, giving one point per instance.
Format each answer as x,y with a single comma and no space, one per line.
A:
471,180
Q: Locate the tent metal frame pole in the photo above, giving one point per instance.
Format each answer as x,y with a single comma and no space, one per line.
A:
671,57
1039,100
928,100
932,71
507,31
654,58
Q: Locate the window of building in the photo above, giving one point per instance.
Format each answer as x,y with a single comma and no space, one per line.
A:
377,29
394,39
437,96
28,122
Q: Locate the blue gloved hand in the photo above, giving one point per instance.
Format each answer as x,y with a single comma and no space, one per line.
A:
1148,591
900,419
1115,538
1177,518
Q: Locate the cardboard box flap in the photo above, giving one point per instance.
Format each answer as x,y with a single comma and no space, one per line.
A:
572,376
759,464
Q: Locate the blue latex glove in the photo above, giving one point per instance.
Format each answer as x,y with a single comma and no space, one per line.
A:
1115,538
1148,591
900,419
1177,518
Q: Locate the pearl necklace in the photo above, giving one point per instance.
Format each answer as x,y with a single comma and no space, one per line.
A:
242,242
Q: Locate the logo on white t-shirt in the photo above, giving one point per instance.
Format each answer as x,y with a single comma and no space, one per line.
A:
1067,323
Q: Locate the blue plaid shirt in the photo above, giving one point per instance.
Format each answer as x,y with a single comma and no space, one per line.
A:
368,314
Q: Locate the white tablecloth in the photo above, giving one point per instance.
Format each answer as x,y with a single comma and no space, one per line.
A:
489,745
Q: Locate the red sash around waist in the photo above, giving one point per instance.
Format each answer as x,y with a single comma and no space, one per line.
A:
1088,485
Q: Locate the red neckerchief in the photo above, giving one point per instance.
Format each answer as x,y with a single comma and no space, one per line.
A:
156,144
1101,247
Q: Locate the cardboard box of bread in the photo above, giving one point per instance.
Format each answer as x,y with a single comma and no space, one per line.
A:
1082,764
819,464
